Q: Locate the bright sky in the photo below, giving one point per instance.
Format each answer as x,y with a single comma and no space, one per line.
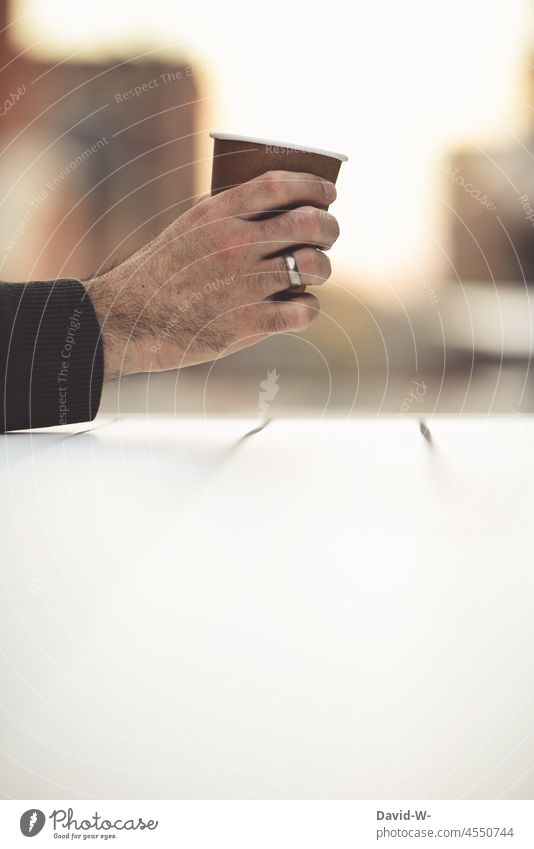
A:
390,84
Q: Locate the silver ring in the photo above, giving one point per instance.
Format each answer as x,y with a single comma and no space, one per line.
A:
294,277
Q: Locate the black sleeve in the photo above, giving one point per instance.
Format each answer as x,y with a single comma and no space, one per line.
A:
51,355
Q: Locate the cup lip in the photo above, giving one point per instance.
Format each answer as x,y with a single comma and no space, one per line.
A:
289,145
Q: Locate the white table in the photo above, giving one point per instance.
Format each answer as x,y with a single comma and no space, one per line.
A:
326,608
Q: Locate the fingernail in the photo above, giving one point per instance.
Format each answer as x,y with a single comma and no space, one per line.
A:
330,191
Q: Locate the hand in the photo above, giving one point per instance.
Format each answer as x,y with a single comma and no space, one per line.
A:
210,283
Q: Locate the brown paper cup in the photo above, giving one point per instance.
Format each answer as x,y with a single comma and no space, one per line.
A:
237,159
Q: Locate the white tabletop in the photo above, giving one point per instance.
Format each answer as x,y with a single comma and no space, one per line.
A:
326,608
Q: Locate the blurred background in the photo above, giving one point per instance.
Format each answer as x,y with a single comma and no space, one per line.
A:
429,307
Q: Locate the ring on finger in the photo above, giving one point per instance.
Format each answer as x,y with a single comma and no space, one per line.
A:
294,277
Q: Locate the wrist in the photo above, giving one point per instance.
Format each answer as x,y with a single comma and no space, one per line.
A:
116,336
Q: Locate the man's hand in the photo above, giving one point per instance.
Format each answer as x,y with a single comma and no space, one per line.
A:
209,284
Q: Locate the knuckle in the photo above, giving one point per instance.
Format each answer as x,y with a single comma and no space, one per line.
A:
270,183
301,224
273,179
236,198
318,186
275,321
320,267
290,316
307,217
328,229
318,181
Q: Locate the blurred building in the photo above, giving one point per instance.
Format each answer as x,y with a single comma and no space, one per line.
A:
95,159
492,217
491,191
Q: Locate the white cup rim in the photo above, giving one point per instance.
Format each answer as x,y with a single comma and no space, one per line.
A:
286,145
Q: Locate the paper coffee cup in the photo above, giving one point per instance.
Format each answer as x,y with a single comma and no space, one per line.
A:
237,159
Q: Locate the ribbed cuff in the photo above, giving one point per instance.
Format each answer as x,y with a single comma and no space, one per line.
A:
51,355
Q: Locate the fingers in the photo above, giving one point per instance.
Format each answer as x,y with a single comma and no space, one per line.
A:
289,230
237,237
293,315
270,276
274,190
244,244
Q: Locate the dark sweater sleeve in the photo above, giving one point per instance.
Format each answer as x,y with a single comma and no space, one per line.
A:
51,355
